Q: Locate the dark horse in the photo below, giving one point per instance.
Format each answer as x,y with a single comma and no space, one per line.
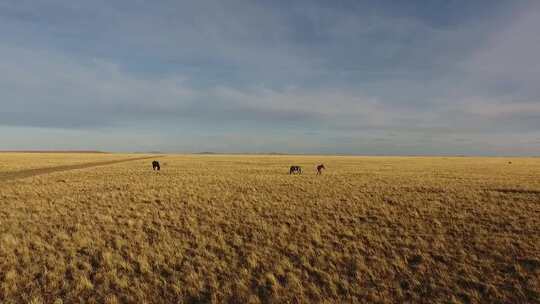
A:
295,169
320,168
155,165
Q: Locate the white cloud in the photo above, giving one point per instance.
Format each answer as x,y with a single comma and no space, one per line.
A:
507,65
63,92
246,69
491,109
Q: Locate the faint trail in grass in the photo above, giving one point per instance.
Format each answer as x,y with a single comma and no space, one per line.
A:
8,176
515,191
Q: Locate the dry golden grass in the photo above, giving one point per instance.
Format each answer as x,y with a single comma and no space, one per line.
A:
240,229
12,161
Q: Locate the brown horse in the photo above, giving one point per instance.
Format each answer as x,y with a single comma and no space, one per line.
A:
320,169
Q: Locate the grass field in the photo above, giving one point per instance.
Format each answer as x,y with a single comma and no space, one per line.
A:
12,162
239,229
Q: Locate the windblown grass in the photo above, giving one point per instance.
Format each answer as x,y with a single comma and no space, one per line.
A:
239,229
12,161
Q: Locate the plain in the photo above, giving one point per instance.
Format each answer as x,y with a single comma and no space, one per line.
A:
239,228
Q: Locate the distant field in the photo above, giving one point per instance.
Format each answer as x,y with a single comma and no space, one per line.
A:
216,228
12,161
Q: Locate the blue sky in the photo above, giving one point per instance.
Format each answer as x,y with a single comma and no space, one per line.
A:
347,77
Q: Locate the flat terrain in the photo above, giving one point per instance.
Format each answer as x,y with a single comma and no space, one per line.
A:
24,173
213,228
14,162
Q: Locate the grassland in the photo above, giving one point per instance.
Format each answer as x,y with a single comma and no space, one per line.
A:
12,161
239,229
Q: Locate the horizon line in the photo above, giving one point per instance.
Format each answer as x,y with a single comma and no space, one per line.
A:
37,151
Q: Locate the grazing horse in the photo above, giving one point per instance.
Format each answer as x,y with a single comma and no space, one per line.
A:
295,169
155,165
320,168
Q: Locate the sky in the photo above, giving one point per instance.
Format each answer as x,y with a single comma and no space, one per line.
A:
435,77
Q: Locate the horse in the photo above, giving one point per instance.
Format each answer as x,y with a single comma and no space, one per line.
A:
320,168
295,169
155,165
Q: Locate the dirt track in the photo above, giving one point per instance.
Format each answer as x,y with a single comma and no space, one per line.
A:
7,176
